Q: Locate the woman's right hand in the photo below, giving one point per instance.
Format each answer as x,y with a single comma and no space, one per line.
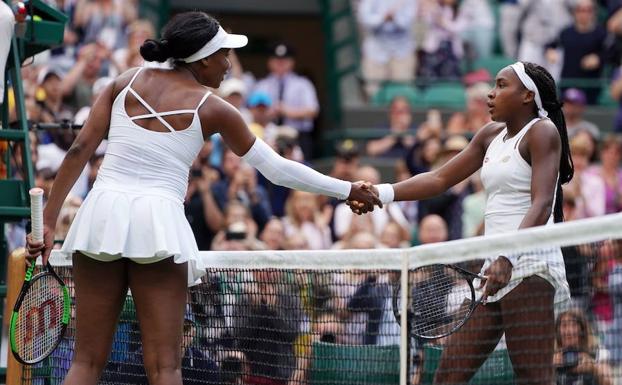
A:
586,364
363,197
44,248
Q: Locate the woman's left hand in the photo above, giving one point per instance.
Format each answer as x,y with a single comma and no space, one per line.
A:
497,275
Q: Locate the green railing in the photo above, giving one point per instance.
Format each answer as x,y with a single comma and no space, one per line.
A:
341,51
43,28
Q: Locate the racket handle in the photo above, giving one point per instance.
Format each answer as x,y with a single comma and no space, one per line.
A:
36,213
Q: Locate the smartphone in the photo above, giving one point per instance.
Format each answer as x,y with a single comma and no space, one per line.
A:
235,236
196,173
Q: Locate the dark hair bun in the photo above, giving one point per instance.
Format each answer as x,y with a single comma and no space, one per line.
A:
153,50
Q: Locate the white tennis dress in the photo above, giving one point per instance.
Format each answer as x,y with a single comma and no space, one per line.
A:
135,209
506,177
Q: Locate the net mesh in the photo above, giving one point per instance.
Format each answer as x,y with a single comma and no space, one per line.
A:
327,317
440,300
39,321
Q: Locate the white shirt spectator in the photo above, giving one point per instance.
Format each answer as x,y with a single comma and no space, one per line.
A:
380,218
441,26
388,28
298,92
478,25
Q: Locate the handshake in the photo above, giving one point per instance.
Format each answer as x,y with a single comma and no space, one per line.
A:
363,197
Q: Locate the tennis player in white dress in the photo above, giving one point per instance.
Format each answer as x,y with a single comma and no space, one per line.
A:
131,231
525,158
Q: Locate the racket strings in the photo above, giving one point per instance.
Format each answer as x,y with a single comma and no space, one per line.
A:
440,299
39,323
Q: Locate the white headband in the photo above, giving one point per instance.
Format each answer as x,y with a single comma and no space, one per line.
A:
222,39
519,68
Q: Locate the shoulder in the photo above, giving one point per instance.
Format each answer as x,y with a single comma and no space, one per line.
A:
218,110
121,81
487,133
302,81
544,133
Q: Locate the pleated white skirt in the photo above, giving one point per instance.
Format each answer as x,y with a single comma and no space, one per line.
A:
145,227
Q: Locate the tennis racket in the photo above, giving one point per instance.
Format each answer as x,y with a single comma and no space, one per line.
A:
42,310
443,297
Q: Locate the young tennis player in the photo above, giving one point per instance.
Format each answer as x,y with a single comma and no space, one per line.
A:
131,230
524,156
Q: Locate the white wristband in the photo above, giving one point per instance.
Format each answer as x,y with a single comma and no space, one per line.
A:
386,194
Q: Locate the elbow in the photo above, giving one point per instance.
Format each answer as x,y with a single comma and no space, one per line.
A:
77,148
440,184
614,91
275,178
545,208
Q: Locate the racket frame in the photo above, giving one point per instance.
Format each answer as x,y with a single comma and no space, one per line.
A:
29,281
469,276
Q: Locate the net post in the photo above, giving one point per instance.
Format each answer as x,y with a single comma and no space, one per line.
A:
404,329
16,274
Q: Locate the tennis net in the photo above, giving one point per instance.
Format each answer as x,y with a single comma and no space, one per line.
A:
334,316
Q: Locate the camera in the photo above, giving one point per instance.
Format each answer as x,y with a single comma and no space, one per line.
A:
329,338
236,232
196,173
570,359
234,235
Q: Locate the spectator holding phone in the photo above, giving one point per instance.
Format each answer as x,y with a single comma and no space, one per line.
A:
240,183
578,358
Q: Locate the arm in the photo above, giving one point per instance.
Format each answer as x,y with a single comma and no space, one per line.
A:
82,13
278,170
368,14
404,16
433,183
382,145
211,212
544,149
72,78
616,87
603,373
81,150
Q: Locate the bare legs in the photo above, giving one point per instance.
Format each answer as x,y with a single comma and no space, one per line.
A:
159,291
101,288
526,316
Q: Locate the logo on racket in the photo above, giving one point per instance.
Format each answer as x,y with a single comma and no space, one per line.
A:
36,317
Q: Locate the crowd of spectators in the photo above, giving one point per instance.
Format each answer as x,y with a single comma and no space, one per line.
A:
451,40
231,207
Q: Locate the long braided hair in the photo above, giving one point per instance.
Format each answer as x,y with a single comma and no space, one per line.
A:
548,93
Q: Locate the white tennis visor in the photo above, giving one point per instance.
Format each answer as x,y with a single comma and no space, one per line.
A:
222,39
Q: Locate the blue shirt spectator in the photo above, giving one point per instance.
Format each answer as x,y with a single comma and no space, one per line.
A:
295,98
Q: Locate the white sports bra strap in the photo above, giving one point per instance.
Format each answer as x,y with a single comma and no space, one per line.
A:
129,85
524,131
167,113
203,99
153,112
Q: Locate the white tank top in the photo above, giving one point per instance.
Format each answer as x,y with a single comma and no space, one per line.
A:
149,162
506,178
